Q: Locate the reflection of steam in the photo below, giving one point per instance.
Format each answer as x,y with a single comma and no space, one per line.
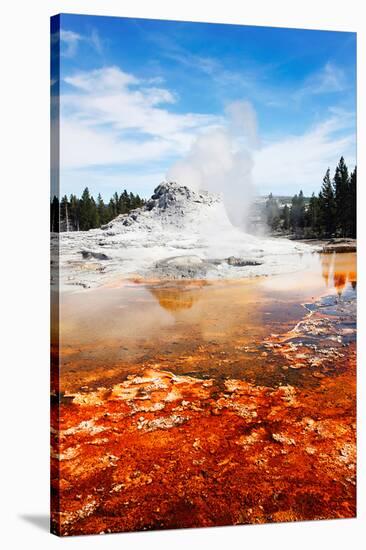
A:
177,298
327,264
341,267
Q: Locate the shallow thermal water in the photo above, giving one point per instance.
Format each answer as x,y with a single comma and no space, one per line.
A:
209,329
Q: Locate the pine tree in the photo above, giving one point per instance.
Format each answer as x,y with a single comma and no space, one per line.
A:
116,204
272,212
102,210
86,211
312,216
297,212
285,216
301,210
125,202
64,214
327,206
139,201
132,199
55,215
111,209
75,213
352,204
341,187
94,216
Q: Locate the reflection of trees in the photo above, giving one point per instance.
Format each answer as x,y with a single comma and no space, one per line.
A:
340,280
341,267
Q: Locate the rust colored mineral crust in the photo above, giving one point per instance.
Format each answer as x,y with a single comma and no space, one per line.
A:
160,451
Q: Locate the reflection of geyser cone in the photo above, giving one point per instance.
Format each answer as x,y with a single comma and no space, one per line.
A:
177,298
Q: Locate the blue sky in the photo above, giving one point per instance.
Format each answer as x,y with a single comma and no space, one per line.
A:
136,94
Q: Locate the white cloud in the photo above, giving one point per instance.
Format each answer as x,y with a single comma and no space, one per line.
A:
82,146
96,41
112,117
300,161
329,79
101,80
69,42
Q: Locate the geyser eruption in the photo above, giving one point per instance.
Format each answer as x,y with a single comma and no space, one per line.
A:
221,161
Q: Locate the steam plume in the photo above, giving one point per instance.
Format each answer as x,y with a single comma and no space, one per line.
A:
221,161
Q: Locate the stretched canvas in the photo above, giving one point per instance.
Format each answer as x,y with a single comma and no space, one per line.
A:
203,276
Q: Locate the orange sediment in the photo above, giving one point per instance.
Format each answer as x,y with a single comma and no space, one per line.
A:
161,451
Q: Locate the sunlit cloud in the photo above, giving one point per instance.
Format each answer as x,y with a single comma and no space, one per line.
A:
70,41
297,162
110,116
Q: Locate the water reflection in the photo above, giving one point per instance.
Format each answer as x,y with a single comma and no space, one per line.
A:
178,297
139,318
207,310
339,270
210,327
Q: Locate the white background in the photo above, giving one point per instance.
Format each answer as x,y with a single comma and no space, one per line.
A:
24,268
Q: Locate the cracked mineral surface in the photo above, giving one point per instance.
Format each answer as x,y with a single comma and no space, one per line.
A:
201,403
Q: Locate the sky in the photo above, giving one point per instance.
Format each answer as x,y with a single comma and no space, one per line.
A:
136,94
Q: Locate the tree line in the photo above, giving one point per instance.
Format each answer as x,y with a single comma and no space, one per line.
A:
84,213
331,213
